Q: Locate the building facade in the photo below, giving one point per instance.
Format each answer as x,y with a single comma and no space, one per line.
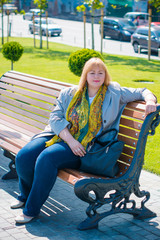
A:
67,8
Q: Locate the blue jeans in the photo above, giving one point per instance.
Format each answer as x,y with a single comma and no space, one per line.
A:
37,168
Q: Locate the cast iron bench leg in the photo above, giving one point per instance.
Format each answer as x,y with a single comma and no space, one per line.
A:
12,174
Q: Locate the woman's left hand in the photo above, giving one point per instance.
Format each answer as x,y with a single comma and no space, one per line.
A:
150,107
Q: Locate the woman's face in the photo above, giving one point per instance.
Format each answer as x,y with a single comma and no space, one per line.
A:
95,77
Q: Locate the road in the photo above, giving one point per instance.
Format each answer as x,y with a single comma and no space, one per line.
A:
73,34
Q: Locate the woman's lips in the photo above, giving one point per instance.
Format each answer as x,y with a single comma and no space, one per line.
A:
96,81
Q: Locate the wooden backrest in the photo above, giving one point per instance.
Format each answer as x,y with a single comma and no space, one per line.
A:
28,100
26,103
131,122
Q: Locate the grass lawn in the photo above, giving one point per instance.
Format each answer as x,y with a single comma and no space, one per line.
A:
128,71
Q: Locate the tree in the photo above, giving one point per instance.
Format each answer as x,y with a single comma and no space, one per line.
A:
12,51
93,5
2,2
155,4
42,5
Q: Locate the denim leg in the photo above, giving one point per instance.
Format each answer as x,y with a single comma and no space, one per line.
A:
25,164
57,156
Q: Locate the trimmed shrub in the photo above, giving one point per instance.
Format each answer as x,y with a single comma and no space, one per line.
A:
22,12
12,51
77,59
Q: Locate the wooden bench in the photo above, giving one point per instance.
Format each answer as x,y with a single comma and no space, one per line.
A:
25,106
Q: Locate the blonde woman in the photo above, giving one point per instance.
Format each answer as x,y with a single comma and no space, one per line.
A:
80,114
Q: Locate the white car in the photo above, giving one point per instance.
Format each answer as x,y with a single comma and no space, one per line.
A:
29,15
138,18
53,28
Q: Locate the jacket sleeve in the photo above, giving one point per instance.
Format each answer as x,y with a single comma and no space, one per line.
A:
57,119
133,94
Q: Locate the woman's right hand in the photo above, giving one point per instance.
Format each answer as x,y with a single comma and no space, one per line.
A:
76,147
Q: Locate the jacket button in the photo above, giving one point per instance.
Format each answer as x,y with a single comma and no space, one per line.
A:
104,121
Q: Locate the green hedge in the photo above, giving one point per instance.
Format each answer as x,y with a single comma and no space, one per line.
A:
77,59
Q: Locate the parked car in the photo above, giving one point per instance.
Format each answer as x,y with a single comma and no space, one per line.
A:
138,18
140,38
53,28
118,28
156,24
29,15
9,7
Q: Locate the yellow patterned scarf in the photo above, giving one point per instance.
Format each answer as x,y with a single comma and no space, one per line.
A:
85,119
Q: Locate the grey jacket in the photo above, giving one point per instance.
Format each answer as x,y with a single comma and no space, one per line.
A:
115,100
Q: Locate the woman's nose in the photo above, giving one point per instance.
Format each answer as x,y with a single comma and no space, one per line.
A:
96,75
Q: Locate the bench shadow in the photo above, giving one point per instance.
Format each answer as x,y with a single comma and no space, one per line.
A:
11,134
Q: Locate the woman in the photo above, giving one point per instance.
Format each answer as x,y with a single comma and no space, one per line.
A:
80,114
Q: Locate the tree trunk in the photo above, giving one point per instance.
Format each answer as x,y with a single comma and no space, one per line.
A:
84,21
102,13
2,25
92,27
7,25
11,65
40,28
47,29
34,37
149,33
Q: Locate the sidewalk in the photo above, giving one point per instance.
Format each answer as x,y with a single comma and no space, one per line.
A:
63,211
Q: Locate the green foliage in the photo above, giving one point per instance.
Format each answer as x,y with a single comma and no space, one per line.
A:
93,4
12,51
156,4
22,12
77,59
2,2
81,8
41,4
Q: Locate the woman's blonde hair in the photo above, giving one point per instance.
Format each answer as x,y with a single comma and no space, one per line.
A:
90,64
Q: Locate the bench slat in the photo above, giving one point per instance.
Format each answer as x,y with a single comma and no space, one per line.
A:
24,119
11,125
29,77
131,123
24,114
47,106
27,93
9,147
129,132
122,169
11,133
126,159
128,150
9,120
134,114
20,105
129,141
33,87
136,106
14,140
67,177
80,174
